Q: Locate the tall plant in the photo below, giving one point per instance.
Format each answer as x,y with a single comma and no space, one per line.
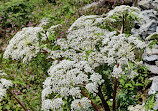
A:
76,78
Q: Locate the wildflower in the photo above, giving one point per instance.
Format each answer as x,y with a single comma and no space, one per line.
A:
80,104
4,85
24,45
67,77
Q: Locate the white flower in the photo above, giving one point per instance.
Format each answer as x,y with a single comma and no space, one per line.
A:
46,104
133,74
46,92
75,92
55,104
2,73
96,78
123,10
67,78
117,71
92,87
2,92
80,104
24,45
4,85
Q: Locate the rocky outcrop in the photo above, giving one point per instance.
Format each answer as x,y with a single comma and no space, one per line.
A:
153,36
148,25
148,4
148,30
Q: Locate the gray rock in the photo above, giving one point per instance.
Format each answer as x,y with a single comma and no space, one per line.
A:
148,29
156,62
148,4
152,68
154,86
155,5
153,36
148,25
151,58
155,47
144,4
153,51
149,14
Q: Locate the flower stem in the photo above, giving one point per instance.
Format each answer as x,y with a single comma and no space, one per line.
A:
93,104
114,93
105,105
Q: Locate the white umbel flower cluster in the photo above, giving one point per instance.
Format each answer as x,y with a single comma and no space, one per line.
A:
2,73
4,85
87,47
123,10
52,104
87,42
81,104
82,41
24,45
67,77
120,50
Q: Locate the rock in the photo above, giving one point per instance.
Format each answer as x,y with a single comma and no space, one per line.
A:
151,26
152,51
148,25
154,86
155,5
153,36
155,47
151,58
148,4
156,62
152,68
145,4
148,29
149,15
